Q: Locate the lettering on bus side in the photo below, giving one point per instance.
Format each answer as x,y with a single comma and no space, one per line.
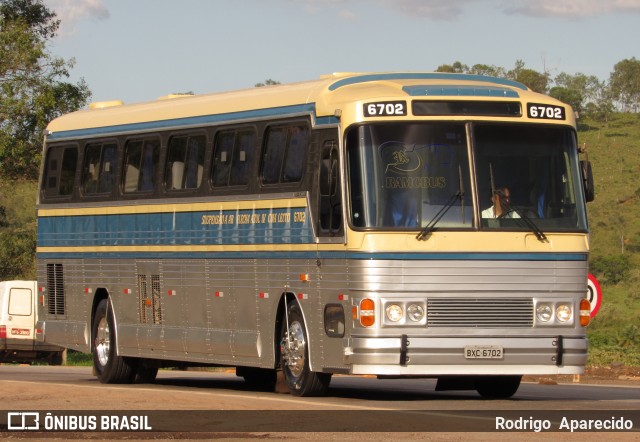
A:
297,216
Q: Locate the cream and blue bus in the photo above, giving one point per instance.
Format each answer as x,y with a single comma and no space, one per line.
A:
390,224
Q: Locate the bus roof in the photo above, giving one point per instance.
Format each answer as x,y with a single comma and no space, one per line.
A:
323,97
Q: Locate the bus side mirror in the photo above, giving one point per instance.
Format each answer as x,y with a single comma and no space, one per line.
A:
587,180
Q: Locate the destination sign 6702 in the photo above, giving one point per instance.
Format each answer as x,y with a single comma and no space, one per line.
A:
385,109
545,111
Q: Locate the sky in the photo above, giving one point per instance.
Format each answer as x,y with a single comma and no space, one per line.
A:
139,50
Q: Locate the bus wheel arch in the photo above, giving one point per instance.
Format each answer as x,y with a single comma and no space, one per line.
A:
293,352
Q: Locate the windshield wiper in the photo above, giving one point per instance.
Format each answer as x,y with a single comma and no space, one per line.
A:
459,195
529,222
422,235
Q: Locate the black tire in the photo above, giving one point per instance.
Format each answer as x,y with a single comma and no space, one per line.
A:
145,372
261,379
294,357
56,358
497,387
109,367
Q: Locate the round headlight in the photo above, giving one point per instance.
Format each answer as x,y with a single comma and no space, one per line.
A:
394,312
544,312
415,312
563,312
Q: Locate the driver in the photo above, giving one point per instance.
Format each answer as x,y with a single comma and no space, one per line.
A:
501,207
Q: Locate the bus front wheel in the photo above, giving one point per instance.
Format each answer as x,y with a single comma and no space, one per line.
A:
497,387
109,367
294,357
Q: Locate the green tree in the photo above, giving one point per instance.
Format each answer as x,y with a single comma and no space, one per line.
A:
33,86
267,82
489,70
572,97
625,84
18,251
536,81
455,68
586,93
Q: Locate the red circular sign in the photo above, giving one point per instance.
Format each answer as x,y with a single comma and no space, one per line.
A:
594,294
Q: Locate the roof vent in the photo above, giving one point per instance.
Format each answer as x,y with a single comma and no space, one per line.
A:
104,104
174,96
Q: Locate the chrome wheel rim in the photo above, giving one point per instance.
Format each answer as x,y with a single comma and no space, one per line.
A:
294,349
102,342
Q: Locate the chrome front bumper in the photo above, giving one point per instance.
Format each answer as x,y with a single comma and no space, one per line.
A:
407,355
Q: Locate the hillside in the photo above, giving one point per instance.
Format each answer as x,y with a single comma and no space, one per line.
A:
614,150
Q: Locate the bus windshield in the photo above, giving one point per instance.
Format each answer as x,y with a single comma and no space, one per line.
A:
410,175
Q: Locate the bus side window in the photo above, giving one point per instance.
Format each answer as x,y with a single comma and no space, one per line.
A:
174,174
68,172
273,155
330,197
148,166
243,155
141,162
185,162
132,163
296,154
60,171
194,162
222,155
98,171
91,167
233,155
106,177
284,154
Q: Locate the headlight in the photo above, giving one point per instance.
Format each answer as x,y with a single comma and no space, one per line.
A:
415,312
563,312
394,313
544,312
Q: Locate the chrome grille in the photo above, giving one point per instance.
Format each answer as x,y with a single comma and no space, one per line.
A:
480,312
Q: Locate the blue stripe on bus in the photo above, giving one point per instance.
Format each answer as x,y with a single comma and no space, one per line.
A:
308,108
228,227
388,256
424,76
460,91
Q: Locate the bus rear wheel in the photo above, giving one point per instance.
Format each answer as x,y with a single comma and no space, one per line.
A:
109,367
294,357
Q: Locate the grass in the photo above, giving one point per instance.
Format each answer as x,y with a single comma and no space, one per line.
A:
613,148
78,359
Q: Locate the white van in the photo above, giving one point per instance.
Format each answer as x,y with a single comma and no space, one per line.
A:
18,316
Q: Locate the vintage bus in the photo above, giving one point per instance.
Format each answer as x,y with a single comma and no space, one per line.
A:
390,224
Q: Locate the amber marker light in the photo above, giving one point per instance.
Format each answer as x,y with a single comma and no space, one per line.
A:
585,312
367,312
